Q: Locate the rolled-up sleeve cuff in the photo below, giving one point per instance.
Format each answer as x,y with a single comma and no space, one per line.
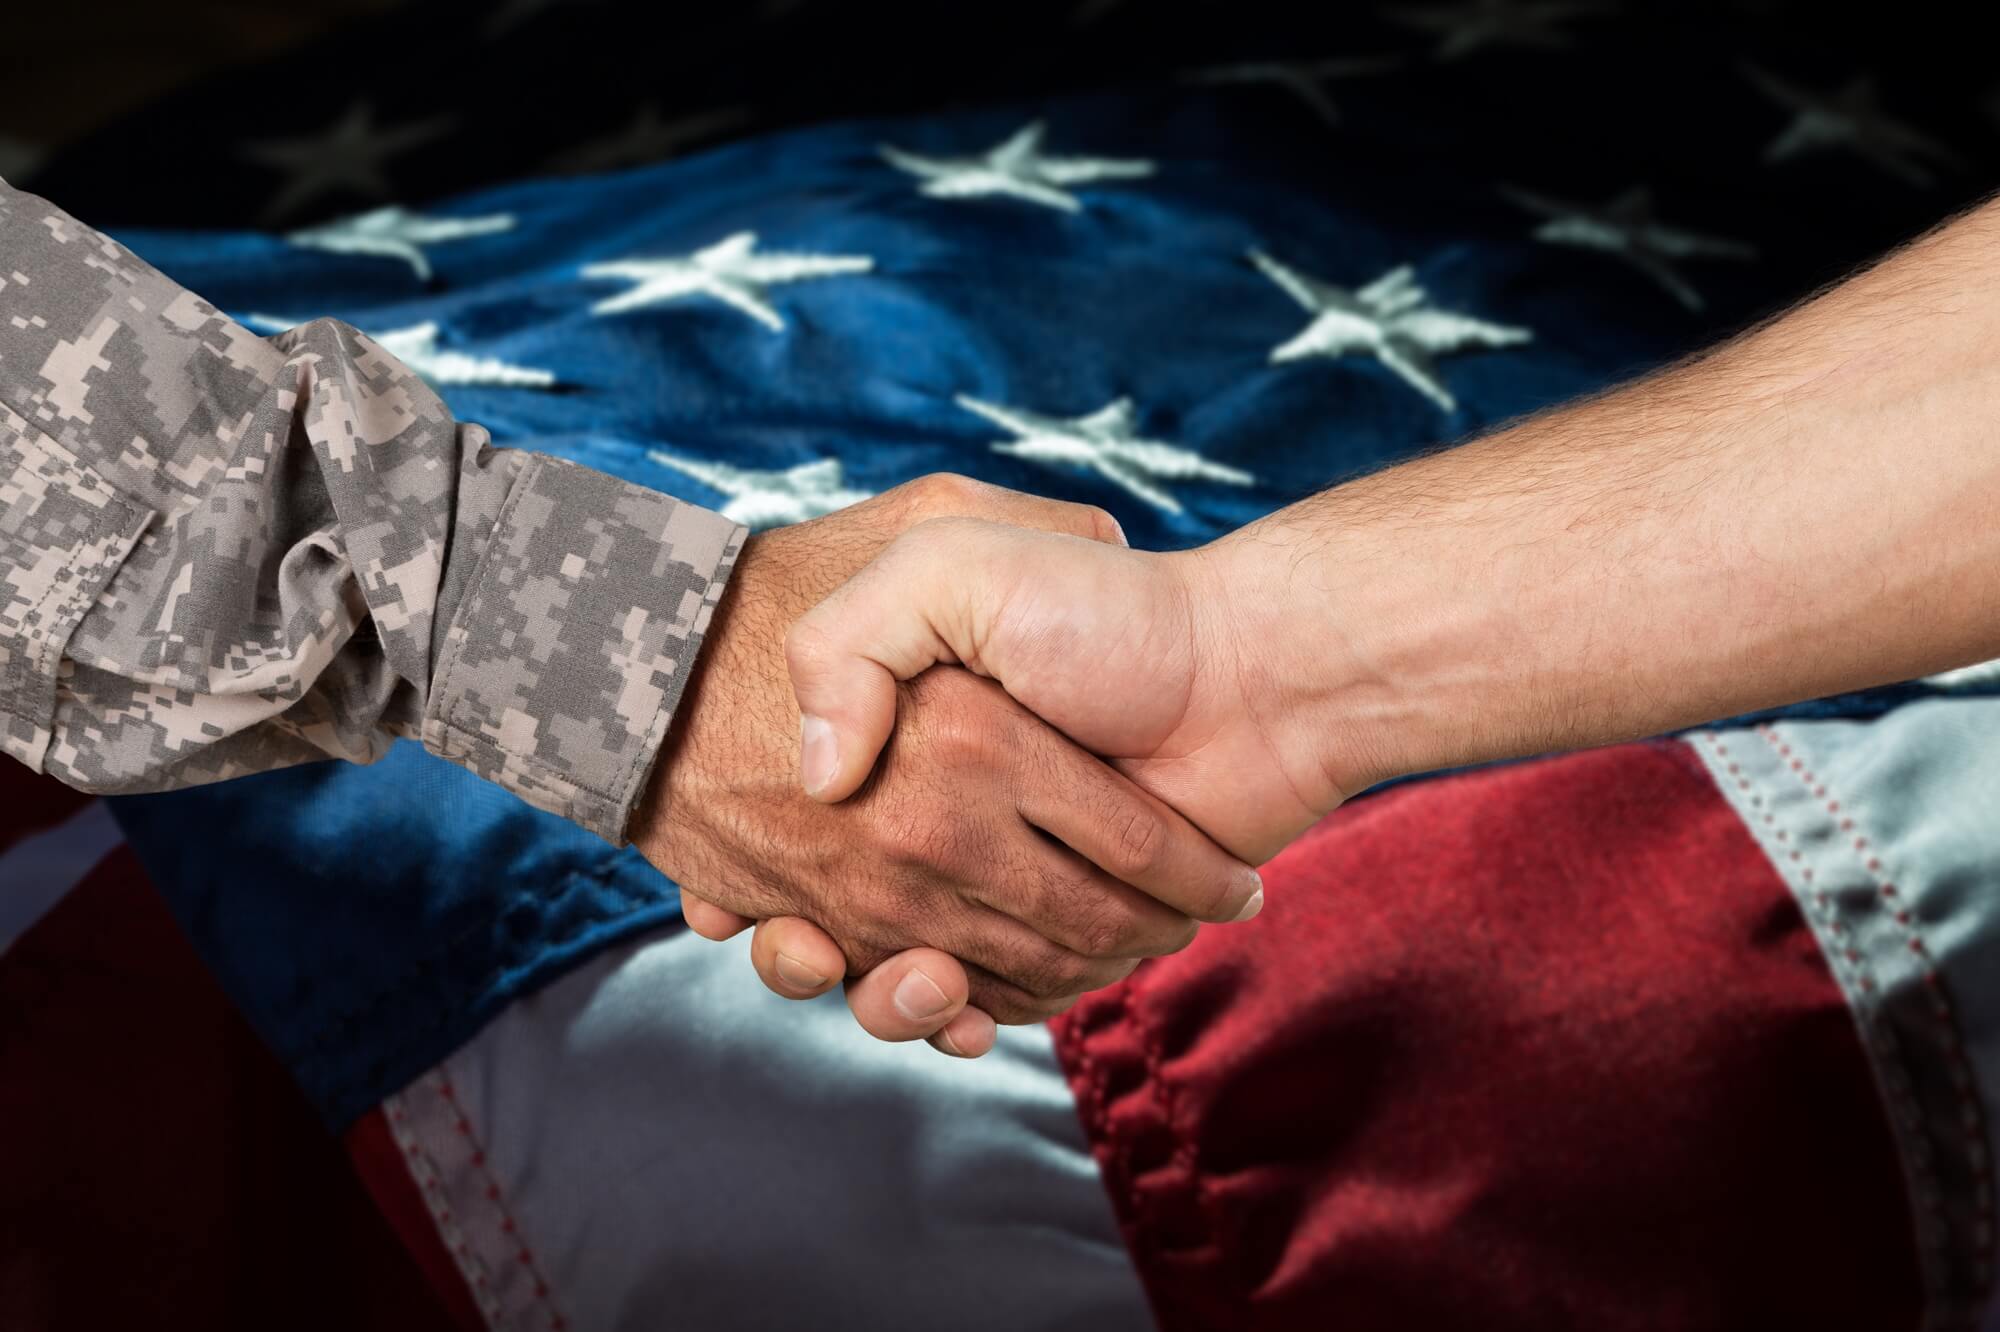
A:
568,653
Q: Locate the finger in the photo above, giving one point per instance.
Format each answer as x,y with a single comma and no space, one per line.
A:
967,1036
893,620
1085,520
1071,902
1009,1004
912,995
1134,837
709,920
1033,967
796,958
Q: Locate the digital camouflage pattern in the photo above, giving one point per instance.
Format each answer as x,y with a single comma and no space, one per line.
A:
221,554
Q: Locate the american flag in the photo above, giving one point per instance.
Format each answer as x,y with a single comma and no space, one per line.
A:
1190,267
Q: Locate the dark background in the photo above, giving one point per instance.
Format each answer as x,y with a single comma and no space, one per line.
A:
152,114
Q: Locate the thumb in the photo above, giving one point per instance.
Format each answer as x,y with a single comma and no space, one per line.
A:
918,603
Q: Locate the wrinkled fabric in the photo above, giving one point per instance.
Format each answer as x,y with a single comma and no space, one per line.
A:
658,1132
221,554
1885,833
1118,354
1549,1046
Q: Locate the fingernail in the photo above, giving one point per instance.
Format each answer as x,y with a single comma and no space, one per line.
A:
949,1045
1253,906
918,997
817,753
797,974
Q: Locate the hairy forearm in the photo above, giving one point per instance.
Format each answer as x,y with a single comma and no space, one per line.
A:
1813,507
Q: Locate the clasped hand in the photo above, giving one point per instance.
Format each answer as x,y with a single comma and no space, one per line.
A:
1646,560
977,864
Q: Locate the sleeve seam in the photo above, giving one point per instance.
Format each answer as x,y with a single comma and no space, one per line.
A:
645,754
601,795
452,726
451,716
454,647
649,753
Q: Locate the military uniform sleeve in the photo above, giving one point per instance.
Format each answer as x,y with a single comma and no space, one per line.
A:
221,554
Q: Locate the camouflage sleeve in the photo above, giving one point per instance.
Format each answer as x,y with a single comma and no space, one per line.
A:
221,554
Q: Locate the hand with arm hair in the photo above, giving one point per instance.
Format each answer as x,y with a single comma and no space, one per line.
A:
222,554
1811,508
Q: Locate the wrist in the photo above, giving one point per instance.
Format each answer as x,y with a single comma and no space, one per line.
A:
1296,623
1386,634
705,753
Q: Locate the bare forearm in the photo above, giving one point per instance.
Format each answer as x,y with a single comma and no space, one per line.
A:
1814,507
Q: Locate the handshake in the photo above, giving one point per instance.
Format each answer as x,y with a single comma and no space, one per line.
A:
969,849
1117,738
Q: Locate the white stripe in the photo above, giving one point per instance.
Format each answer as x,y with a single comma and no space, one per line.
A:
1885,833
672,1146
37,871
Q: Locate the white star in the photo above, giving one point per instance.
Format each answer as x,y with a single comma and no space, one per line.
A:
1386,319
416,347
1626,227
396,233
647,138
1986,673
1017,168
760,499
1851,118
1104,442
1474,24
346,155
1304,79
729,270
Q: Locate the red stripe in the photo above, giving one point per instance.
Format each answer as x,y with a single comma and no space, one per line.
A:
156,1163
1545,1046
380,1164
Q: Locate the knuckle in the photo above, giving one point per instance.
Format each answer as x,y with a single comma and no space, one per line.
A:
806,645
944,493
1046,972
1138,841
925,835
1104,928
1075,974
1098,522
1105,938
1069,974
965,736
